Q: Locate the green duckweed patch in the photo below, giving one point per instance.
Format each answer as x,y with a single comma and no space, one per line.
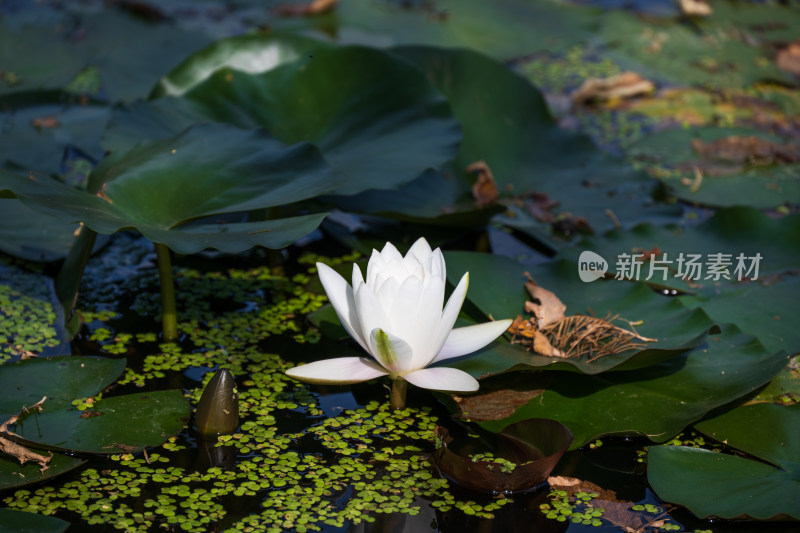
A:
27,314
290,465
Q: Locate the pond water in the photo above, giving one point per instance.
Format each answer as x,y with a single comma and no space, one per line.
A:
303,458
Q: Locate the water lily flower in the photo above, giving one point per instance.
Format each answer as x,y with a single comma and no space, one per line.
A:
397,316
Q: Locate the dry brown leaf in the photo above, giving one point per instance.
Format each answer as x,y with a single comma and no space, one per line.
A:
541,345
484,190
625,85
695,8
747,150
788,58
317,7
546,306
45,122
499,399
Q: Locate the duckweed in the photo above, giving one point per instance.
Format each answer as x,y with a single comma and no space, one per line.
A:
27,314
339,470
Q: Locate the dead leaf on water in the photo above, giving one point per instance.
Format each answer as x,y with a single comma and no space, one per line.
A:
498,399
788,58
484,190
618,87
747,150
317,7
695,8
45,122
545,305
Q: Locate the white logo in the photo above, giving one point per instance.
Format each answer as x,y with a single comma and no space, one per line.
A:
591,266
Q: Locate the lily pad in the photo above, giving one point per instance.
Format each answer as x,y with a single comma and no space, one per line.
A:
111,425
732,231
12,521
497,290
467,24
731,486
657,401
723,183
164,188
382,124
120,424
34,137
12,475
762,310
61,379
507,125
45,56
715,51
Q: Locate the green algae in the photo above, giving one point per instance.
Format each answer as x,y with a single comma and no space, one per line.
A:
340,469
26,313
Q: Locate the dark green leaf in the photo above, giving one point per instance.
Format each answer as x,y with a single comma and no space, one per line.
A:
716,484
382,124
12,521
12,475
120,424
657,401
723,184
61,379
497,290
162,187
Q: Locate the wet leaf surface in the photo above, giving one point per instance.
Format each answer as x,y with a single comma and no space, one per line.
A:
657,401
731,486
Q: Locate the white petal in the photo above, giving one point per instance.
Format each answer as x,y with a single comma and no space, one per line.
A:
437,269
341,296
449,315
389,253
375,265
388,293
462,341
358,279
421,250
404,310
391,351
442,378
370,314
425,338
340,371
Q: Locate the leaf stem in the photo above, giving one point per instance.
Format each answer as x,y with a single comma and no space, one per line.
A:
169,318
68,280
398,398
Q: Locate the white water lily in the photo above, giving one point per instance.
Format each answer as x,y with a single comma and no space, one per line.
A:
397,316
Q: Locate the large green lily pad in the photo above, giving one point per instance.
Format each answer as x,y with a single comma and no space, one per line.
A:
164,187
61,379
731,486
12,521
728,49
382,124
657,401
507,125
467,24
118,424
767,311
733,231
497,290
54,56
724,183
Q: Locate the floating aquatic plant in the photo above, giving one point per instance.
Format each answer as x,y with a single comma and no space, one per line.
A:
396,316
